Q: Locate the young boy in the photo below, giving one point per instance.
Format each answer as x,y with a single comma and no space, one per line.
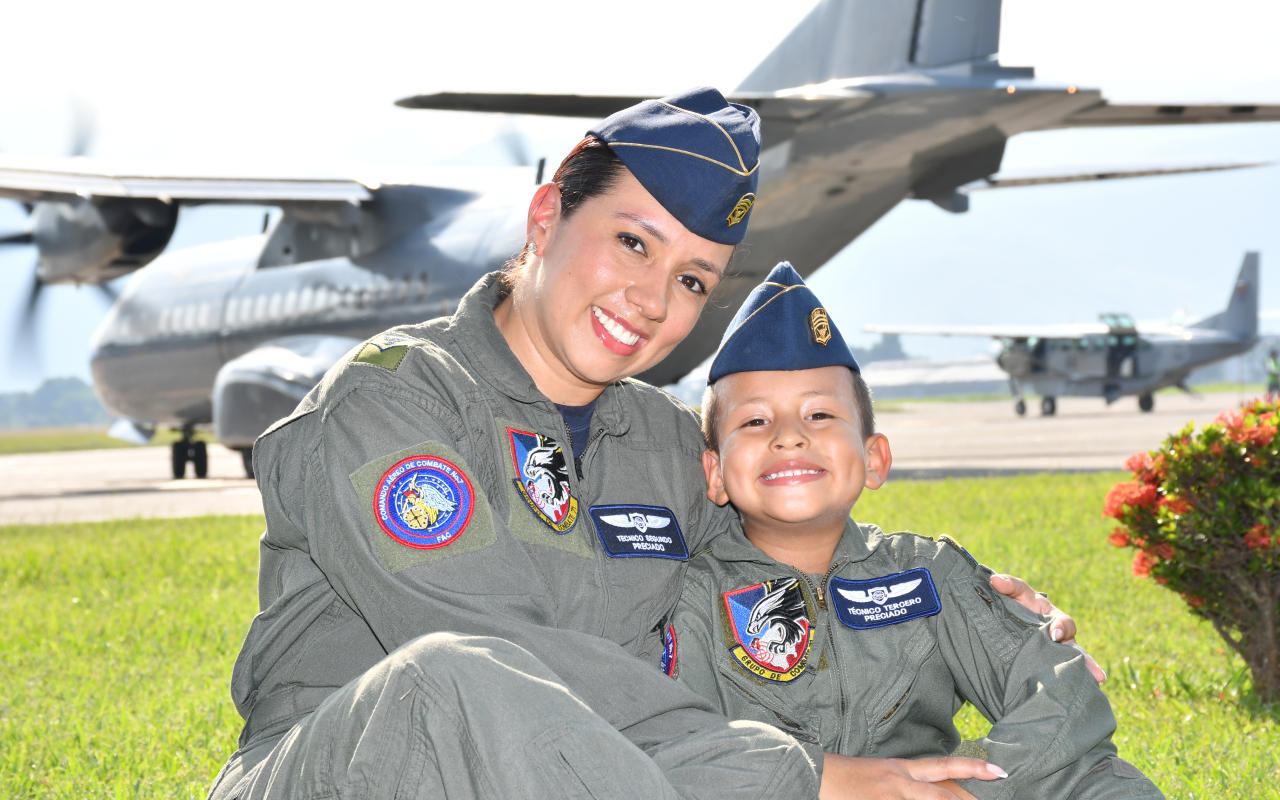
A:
854,641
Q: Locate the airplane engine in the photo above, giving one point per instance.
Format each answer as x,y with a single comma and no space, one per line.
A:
1015,359
265,384
95,240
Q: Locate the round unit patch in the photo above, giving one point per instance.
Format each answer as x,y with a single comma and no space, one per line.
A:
424,502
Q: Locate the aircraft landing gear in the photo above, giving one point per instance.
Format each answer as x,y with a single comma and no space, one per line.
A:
1048,406
1146,402
1020,407
246,455
185,450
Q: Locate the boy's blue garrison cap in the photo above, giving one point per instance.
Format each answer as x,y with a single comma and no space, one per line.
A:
781,326
697,154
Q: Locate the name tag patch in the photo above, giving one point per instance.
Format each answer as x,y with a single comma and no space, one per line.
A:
639,531
885,601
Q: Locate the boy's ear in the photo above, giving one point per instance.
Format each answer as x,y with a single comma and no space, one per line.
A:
879,460
715,480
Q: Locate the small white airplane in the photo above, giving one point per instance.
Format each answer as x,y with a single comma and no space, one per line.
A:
1113,357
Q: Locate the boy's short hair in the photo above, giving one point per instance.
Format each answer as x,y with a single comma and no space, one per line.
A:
711,411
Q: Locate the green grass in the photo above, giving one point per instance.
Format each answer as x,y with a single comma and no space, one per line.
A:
1180,700
117,640
116,645
49,440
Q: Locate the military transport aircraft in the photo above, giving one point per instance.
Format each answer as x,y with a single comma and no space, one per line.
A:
1113,357
864,104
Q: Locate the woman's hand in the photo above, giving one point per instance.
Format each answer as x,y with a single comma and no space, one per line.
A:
848,778
1062,628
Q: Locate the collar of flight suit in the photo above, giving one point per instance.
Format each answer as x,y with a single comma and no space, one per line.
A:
855,545
491,360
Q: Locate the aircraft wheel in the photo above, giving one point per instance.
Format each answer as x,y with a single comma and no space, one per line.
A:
1146,402
1020,408
246,455
200,459
179,459
1048,406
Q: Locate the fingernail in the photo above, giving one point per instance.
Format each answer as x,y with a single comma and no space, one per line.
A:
994,770
1057,634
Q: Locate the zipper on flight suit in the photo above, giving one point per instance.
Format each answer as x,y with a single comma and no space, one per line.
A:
577,460
831,636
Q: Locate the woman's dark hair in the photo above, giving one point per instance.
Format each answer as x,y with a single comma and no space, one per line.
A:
590,170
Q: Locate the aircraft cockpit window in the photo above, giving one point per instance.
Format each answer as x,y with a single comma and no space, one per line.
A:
1129,341
1112,341
1081,345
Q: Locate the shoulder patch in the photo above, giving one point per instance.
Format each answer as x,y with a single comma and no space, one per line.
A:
885,601
386,350
542,477
424,502
669,651
951,541
629,531
771,629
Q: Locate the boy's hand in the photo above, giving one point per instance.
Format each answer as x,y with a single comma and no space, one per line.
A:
848,778
1062,628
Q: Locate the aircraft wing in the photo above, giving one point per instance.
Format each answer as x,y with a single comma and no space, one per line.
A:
1014,180
33,180
1106,114
1066,331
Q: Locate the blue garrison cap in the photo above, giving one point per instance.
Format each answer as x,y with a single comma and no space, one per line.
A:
781,326
697,154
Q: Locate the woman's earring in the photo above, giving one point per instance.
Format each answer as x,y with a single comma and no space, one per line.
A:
533,248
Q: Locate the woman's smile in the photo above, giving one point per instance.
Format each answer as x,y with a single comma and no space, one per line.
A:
615,333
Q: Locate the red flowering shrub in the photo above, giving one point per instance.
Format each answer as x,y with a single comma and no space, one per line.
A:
1203,514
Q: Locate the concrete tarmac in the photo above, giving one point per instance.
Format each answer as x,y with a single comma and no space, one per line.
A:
86,485
929,439
938,439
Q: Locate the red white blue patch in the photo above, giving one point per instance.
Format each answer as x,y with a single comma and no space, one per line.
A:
669,651
771,627
543,479
885,601
424,502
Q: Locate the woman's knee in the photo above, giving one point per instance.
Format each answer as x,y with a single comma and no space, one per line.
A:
472,660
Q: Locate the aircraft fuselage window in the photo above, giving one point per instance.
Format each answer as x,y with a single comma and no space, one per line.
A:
274,306
290,303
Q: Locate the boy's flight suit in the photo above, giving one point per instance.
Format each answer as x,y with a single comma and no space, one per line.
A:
876,657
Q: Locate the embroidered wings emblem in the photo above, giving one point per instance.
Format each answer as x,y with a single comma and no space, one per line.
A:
879,594
641,522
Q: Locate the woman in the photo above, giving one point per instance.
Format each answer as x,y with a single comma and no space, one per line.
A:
476,526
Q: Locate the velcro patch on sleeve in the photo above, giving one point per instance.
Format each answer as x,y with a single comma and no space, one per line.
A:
885,601
386,350
423,506
632,531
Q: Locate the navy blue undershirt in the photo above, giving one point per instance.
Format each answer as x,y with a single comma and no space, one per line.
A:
578,420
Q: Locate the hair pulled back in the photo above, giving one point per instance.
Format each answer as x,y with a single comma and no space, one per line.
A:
590,170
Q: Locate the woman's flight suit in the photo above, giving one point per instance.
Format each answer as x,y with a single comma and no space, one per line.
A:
438,617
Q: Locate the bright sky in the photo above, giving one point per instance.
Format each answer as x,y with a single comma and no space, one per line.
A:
310,86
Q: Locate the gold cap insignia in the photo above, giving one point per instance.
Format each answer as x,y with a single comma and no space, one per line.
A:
820,326
740,210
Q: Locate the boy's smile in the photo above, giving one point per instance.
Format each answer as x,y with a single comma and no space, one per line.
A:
792,457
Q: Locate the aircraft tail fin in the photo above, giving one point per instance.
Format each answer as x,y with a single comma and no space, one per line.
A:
851,38
1241,314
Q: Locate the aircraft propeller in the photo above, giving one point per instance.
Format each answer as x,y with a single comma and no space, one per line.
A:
23,347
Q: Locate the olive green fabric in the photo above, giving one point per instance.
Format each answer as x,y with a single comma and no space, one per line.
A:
892,691
337,594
